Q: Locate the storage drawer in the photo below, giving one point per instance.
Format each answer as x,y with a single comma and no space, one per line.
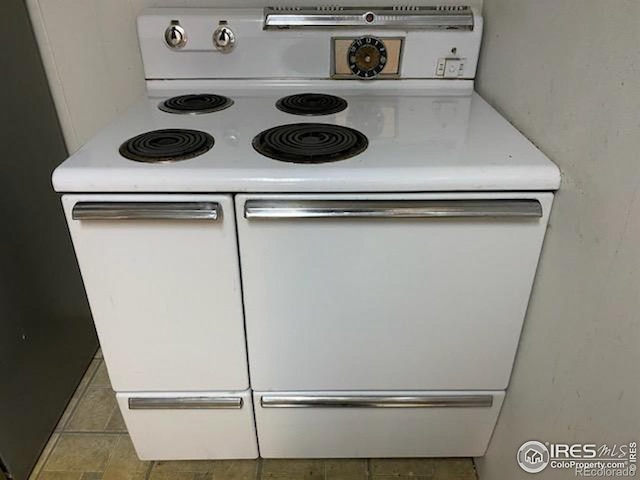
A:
375,424
190,425
163,281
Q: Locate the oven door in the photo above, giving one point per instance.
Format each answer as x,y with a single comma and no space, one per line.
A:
163,281
387,292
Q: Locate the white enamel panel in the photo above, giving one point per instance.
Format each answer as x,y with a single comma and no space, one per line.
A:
421,138
282,53
386,303
191,434
165,296
318,432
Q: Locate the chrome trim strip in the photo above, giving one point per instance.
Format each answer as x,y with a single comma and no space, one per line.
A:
376,401
184,403
146,211
417,17
265,209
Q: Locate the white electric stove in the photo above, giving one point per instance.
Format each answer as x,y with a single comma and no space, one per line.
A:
312,238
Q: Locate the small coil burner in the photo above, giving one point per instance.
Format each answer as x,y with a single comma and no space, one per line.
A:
165,146
310,143
311,104
195,104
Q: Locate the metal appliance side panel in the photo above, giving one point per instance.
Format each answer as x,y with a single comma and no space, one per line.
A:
164,292
47,338
388,303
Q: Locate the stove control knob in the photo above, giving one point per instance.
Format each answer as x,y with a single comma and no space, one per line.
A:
223,38
175,36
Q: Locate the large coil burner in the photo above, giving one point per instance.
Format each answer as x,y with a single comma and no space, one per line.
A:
310,143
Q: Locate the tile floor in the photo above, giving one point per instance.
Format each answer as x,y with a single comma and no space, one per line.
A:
91,443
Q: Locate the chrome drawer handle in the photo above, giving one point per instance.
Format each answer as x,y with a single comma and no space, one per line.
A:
376,401
391,209
146,211
184,403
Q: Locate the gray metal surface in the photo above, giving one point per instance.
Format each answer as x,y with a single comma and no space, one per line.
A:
376,401
184,403
146,211
390,208
423,17
47,338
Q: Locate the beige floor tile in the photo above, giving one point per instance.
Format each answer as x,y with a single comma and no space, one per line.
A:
292,469
205,470
204,476
99,353
188,466
116,422
169,475
81,453
93,411
235,470
401,477
48,448
101,378
124,457
115,474
77,395
350,469
403,466
60,476
454,469
91,476
354,476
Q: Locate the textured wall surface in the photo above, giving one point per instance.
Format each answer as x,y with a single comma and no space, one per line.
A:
567,74
90,52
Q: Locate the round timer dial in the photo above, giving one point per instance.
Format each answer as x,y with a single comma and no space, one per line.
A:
367,56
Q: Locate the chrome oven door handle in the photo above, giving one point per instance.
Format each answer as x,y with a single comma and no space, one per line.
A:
146,211
375,401
274,209
184,403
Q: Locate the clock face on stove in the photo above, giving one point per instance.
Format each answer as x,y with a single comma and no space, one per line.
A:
367,56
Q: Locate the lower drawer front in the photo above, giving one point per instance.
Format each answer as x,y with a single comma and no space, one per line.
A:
375,424
190,425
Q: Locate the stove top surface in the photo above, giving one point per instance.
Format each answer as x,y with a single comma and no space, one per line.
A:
409,137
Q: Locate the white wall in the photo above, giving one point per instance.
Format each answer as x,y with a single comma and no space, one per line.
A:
567,74
91,56
89,50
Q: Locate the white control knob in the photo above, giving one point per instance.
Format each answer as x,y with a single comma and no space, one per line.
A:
223,38
175,36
